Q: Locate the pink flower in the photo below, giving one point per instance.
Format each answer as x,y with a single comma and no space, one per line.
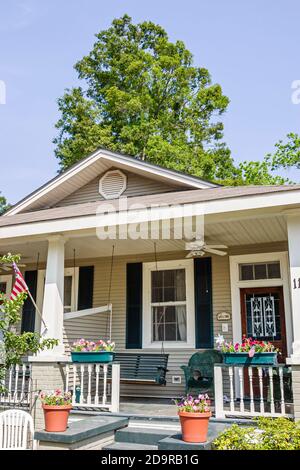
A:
251,352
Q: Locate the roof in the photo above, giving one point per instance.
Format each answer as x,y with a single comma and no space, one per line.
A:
99,161
174,198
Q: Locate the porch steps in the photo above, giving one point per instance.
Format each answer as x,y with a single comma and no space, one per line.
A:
146,436
129,446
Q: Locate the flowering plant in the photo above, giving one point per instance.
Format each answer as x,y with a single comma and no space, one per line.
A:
83,345
56,398
248,345
201,404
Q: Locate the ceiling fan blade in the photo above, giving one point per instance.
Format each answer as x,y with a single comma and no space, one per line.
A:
216,246
215,252
195,254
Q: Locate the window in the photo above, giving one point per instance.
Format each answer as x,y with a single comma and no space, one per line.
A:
168,304
256,271
68,294
70,290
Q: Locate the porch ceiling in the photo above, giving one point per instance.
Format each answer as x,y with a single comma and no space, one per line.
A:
233,233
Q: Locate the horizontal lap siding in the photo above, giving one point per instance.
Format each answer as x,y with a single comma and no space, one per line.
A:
95,326
136,186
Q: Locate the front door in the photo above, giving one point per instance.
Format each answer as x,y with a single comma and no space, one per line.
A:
263,318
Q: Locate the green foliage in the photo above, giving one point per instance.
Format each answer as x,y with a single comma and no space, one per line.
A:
260,172
14,345
144,96
3,204
270,434
287,153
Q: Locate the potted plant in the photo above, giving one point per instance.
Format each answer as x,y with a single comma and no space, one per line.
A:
248,352
90,351
57,406
194,415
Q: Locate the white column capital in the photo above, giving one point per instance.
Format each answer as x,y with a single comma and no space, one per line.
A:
57,238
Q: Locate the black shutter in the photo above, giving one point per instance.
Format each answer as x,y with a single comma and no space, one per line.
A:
134,286
203,303
85,287
28,314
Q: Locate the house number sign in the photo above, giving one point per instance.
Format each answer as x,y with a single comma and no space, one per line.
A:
296,283
223,316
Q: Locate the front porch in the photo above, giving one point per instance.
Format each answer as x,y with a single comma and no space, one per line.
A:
72,281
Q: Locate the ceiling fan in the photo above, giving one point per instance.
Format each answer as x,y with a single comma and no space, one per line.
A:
198,248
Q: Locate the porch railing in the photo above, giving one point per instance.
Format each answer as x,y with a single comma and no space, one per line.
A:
94,385
17,387
252,391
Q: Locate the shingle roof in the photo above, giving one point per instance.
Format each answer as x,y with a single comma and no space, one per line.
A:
173,198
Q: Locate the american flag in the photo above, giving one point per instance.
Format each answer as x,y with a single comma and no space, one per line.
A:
19,285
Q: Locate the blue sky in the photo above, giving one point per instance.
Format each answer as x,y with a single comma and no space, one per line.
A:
251,48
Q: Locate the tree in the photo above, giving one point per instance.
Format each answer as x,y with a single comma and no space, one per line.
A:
3,204
13,346
143,95
287,154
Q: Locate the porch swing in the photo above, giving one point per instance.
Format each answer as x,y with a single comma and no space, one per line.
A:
143,367
93,311
135,367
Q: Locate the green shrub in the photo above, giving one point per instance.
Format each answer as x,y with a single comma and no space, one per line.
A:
267,434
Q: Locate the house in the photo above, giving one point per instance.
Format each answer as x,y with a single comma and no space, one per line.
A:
161,299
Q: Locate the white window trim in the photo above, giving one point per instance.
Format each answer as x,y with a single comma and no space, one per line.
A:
188,265
237,284
8,279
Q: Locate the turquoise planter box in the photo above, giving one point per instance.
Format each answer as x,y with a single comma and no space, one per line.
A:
259,359
97,356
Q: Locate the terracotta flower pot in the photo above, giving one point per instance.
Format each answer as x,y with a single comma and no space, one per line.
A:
56,417
194,426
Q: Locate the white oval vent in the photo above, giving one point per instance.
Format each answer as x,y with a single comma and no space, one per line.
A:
112,184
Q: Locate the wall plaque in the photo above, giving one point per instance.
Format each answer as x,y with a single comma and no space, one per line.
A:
223,316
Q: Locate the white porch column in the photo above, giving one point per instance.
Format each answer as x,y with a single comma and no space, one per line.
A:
293,226
53,306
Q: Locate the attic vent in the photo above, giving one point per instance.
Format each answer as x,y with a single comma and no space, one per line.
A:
112,184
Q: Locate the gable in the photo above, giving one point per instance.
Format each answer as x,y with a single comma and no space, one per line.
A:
136,186
82,175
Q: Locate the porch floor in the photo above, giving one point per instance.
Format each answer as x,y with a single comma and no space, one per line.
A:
148,406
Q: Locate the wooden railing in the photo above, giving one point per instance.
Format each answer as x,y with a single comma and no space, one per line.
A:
248,391
93,385
17,387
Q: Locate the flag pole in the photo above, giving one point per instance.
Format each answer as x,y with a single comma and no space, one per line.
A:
38,311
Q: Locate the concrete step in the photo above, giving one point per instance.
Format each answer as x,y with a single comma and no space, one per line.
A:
147,435
129,446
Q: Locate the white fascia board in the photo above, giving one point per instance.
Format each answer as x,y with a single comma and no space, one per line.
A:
114,158
164,172
158,213
52,185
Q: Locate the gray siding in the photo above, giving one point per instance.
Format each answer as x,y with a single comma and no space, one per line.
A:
136,186
95,327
